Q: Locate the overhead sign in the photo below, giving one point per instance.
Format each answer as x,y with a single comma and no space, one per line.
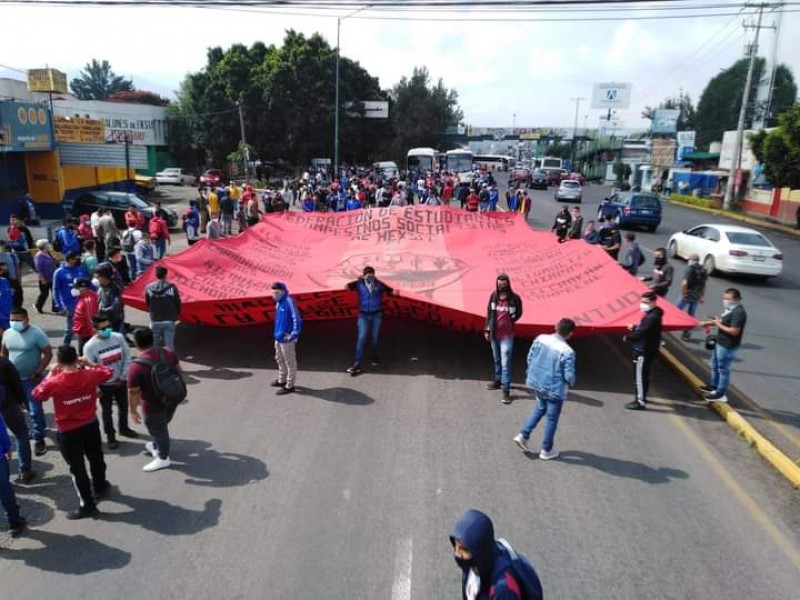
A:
26,126
611,95
442,262
47,80
665,120
83,131
662,153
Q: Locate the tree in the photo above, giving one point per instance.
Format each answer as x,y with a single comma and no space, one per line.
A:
97,81
720,102
779,150
683,102
138,97
559,150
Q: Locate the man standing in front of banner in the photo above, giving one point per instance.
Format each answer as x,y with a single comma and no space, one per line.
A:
504,309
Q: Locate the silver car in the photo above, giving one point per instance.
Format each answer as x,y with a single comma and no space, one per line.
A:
569,190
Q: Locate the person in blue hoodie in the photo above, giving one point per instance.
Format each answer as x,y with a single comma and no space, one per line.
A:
370,314
63,279
16,523
353,203
486,563
65,238
288,324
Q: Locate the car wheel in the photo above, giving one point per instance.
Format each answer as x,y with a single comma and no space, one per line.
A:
709,265
672,249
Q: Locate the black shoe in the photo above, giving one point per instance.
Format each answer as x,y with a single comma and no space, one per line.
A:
16,530
706,388
495,385
355,369
635,405
284,390
26,477
39,448
84,512
113,444
506,397
278,383
686,336
102,492
128,433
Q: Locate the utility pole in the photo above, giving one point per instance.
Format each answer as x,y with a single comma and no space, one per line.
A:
736,159
245,149
577,102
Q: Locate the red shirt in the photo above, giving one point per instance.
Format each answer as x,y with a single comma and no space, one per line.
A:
139,377
447,193
86,307
74,395
158,227
134,219
504,326
473,202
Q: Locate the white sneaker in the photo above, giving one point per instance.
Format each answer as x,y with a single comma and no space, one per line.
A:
545,455
521,442
150,447
156,465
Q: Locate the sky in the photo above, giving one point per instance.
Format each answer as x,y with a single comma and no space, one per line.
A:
520,71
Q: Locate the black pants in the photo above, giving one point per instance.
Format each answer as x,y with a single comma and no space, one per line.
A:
15,421
110,394
16,288
44,292
157,422
641,376
77,444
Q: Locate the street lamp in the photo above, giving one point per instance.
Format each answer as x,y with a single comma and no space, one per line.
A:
336,95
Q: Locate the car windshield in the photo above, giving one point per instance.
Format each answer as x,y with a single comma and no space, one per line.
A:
571,184
649,202
744,238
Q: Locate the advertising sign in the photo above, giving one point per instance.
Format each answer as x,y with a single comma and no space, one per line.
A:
665,120
748,161
47,80
26,126
84,131
611,95
685,143
662,153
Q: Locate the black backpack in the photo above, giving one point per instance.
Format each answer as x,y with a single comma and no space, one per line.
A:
168,382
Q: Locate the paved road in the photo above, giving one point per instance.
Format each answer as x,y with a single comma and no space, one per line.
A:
350,487
766,368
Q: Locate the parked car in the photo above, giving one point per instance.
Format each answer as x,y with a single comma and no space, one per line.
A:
569,190
628,209
176,176
539,180
729,249
118,202
520,176
212,177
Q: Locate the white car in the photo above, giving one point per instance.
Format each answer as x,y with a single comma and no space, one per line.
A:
729,249
175,176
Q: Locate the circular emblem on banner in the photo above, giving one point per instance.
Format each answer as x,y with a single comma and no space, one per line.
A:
22,115
32,116
42,117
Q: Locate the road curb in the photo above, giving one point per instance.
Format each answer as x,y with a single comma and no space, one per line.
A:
765,448
739,217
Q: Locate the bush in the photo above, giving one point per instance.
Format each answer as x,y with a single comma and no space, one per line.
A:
692,201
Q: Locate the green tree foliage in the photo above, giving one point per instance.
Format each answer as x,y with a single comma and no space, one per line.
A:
97,82
287,98
138,97
682,101
779,150
718,108
559,150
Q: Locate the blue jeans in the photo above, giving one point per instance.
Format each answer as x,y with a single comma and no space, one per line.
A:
35,409
689,305
501,352
544,406
368,323
163,334
15,421
132,266
721,360
67,339
161,249
7,497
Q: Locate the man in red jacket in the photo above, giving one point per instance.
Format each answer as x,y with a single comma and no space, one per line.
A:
158,230
73,388
86,307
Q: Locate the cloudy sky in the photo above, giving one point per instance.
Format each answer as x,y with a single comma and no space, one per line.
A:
502,63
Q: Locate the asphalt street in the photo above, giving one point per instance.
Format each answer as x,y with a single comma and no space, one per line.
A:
349,488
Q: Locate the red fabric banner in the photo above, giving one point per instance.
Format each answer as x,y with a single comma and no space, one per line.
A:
443,262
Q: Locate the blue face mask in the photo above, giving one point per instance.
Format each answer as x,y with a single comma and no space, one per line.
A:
17,325
105,333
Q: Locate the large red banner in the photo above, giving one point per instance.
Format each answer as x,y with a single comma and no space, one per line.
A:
443,263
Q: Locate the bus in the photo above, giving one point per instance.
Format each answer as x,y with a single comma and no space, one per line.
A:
459,162
422,159
549,162
493,162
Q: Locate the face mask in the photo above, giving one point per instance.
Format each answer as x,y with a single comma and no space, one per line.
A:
728,304
75,292
104,333
644,307
659,260
96,282
465,565
17,325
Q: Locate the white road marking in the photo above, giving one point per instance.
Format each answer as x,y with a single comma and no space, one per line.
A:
401,588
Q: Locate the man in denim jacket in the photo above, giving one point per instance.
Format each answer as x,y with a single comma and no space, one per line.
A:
551,372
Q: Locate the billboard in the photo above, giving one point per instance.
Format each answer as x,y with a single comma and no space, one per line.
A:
686,140
26,126
47,80
662,153
665,120
77,130
611,95
748,161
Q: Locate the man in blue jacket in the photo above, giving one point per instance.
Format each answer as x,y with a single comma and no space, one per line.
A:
66,238
370,314
551,372
16,523
63,279
492,570
286,331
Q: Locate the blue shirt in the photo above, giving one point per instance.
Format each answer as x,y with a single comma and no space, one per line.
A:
25,348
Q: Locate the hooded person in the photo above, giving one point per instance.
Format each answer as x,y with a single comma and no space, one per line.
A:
288,324
488,571
504,309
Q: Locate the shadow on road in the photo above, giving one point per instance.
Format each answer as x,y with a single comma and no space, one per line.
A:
206,467
194,377
68,554
622,468
339,395
162,517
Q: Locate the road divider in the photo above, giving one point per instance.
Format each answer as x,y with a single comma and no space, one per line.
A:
738,216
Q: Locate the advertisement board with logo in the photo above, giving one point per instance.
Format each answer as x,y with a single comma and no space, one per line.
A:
611,95
685,141
665,120
26,126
